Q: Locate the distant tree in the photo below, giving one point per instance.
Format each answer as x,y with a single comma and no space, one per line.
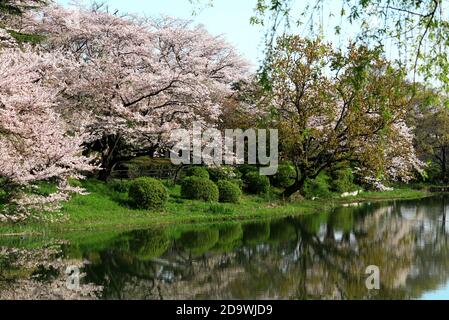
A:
432,138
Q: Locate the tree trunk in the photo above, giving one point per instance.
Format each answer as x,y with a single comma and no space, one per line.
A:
109,156
297,186
108,163
105,172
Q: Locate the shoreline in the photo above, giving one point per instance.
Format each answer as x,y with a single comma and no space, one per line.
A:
82,219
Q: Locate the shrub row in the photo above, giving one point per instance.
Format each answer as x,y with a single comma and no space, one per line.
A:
149,193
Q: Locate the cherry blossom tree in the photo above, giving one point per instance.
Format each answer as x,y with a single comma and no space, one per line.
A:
18,7
6,40
11,12
35,142
138,78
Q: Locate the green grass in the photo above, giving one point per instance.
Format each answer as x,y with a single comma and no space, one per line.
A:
397,194
107,210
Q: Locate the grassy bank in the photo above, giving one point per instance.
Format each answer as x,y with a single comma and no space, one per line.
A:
106,209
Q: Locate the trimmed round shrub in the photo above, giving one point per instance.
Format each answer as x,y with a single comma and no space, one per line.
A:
195,188
256,183
148,193
200,172
285,176
229,191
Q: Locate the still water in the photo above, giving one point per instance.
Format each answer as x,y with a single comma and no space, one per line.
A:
321,256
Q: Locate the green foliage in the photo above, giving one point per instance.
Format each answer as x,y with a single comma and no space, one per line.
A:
223,173
285,176
318,187
256,183
196,188
75,183
217,208
199,172
229,192
43,188
121,186
148,193
247,168
343,180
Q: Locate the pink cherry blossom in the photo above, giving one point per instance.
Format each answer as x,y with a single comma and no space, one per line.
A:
138,79
35,141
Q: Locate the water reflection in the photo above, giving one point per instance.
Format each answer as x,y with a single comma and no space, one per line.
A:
40,273
321,256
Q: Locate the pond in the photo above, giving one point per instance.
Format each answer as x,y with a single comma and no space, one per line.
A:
323,256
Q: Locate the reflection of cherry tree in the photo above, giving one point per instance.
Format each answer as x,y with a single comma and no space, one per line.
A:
33,274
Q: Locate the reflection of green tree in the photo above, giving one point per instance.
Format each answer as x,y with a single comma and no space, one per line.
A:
230,233
255,233
199,241
342,219
229,237
149,244
282,231
313,222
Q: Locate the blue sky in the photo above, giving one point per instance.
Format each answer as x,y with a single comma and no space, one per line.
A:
231,18
223,18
